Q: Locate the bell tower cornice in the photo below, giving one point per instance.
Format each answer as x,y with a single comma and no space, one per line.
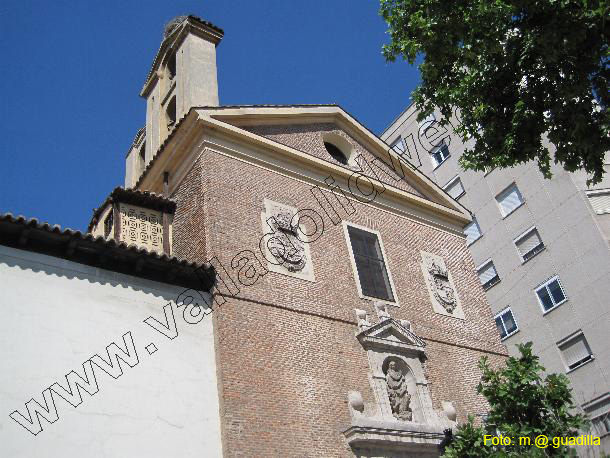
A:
174,34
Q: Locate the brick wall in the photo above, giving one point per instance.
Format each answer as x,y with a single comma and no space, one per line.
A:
308,138
286,348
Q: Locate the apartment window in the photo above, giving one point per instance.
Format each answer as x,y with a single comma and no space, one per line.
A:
439,155
599,412
575,351
398,146
472,231
454,188
509,200
600,201
551,294
505,321
370,264
601,424
488,274
529,244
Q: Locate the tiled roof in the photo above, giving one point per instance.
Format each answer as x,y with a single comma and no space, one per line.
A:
145,199
41,237
209,24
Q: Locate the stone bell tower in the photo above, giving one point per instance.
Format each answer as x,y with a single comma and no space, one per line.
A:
183,75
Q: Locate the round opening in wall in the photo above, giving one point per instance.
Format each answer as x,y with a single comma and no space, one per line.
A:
336,153
339,148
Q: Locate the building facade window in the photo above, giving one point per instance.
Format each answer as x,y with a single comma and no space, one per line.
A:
488,275
439,155
472,231
529,244
398,146
575,351
550,294
599,200
509,200
371,269
599,413
455,188
505,321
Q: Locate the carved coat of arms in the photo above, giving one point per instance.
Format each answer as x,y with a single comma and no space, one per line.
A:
286,246
442,290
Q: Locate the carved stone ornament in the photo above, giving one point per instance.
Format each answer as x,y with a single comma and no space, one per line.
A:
440,286
399,396
287,246
400,420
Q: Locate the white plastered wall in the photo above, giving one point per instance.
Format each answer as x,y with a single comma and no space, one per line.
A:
56,315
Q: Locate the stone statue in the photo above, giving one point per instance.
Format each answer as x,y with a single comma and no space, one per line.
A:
397,392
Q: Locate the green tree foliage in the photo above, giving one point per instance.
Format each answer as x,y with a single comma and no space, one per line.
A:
521,404
517,70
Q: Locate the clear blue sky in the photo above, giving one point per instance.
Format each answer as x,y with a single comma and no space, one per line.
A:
72,72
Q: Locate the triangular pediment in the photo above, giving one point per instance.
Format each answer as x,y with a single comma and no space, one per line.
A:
256,120
406,191
392,334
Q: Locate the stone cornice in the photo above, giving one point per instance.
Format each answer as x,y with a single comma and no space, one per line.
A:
191,24
255,115
454,212
202,123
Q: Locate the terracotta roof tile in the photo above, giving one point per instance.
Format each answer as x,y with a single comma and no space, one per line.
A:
85,248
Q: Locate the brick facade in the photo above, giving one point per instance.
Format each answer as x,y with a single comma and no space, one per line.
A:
308,138
286,348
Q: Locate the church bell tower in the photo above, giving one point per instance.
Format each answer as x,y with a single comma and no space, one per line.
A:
183,75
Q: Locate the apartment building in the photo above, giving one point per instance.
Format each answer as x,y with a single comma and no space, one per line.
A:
541,251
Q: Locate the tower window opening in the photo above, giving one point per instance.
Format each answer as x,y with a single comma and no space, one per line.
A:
170,112
142,152
108,224
171,66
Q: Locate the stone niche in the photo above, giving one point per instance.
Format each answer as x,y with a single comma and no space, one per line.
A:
285,242
400,421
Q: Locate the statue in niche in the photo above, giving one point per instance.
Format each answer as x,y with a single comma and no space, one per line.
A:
400,399
285,245
443,292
